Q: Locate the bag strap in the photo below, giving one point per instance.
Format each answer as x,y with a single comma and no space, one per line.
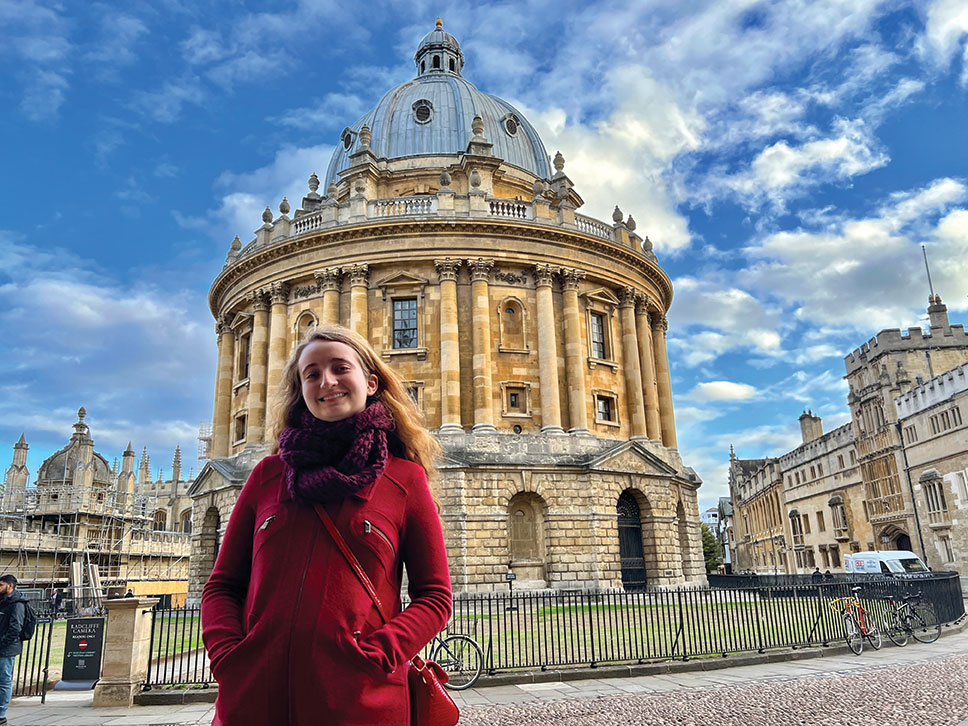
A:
350,557
358,570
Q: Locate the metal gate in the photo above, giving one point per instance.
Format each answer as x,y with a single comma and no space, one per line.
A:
630,544
31,668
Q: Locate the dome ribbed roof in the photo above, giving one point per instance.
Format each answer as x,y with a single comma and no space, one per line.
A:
432,114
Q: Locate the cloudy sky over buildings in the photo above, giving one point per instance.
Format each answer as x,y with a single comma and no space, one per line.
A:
786,159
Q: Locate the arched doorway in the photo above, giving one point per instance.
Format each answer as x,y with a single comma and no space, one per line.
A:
526,539
903,542
630,543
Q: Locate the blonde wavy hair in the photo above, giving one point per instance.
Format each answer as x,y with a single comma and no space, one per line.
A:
288,405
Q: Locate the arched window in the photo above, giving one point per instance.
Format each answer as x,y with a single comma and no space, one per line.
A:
436,61
186,521
452,66
159,521
304,325
630,547
512,326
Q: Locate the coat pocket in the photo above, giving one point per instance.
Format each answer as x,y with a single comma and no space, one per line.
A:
269,523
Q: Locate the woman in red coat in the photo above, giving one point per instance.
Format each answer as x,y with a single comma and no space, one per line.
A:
292,635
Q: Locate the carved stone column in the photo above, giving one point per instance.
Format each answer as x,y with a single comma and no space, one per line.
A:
449,347
258,368
481,323
278,335
329,280
574,358
646,362
222,415
547,352
667,417
630,363
358,275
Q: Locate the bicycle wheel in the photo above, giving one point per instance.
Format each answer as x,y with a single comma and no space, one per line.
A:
923,631
855,641
873,633
895,631
462,659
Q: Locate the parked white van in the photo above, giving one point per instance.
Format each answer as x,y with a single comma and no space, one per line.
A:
888,562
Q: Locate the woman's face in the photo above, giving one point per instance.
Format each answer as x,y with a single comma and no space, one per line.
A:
334,385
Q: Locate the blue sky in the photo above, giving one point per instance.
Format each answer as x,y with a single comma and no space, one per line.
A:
787,160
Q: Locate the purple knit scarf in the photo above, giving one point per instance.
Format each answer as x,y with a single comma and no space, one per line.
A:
329,460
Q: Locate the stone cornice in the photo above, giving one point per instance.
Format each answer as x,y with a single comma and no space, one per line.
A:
568,239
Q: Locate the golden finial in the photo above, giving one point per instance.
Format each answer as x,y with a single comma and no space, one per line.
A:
440,23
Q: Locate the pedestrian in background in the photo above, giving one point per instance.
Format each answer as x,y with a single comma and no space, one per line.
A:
13,606
292,634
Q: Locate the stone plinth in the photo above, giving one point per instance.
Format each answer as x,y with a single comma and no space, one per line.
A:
127,648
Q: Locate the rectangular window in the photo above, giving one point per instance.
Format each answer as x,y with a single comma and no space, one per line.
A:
603,408
598,336
405,323
244,356
833,551
853,457
956,416
946,548
813,473
240,428
820,524
414,393
514,400
806,524
840,461
910,434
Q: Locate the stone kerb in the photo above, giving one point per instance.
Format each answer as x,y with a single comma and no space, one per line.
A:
127,649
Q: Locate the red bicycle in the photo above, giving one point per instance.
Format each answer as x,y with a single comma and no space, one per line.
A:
857,623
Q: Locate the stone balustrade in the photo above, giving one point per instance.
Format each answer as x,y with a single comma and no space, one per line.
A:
445,204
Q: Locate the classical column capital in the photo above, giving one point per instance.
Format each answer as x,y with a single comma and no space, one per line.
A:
659,321
260,300
643,304
279,292
570,279
627,296
447,269
358,274
223,323
544,275
328,278
480,269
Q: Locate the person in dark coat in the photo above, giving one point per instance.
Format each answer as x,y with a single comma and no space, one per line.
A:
13,605
817,576
292,636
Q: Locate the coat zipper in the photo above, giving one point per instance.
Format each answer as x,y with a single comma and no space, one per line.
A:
267,522
369,527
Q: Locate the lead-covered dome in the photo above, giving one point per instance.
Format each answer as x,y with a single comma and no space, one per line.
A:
432,114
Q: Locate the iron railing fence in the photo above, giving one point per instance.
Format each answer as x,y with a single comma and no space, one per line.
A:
753,579
32,667
550,629
178,656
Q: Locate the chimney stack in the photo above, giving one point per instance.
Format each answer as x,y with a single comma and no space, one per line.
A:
811,427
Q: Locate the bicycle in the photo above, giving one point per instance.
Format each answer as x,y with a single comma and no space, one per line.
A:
461,658
857,624
902,620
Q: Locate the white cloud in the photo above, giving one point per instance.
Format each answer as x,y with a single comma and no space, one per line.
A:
722,391
335,110
945,29
165,105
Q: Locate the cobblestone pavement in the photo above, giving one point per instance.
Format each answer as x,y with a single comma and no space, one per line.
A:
920,685
933,693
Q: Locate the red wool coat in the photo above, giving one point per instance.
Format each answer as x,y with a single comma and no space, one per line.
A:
292,636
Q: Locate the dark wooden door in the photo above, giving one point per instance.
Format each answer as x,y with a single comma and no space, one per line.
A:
630,544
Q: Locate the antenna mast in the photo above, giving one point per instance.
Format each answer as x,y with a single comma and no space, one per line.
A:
928,269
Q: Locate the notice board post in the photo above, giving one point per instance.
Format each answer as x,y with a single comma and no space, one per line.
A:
127,648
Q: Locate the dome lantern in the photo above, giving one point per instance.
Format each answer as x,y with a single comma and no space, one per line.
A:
439,52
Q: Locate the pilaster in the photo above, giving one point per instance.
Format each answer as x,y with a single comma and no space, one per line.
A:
647,364
630,355
547,352
574,353
329,281
480,270
447,269
663,382
258,368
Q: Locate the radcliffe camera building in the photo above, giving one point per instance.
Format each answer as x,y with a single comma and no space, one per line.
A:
532,337
895,477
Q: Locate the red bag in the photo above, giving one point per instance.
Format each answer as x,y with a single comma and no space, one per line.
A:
430,704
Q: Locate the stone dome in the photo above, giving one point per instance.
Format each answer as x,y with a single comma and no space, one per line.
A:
60,466
433,113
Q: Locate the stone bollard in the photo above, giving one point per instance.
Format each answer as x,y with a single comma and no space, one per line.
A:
127,648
